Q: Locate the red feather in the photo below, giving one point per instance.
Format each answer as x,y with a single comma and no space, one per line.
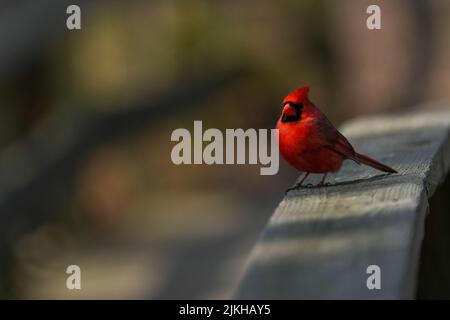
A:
310,142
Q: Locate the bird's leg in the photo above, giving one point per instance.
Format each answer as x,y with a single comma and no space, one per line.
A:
322,182
299,183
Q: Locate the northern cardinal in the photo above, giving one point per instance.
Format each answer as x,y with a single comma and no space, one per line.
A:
310,142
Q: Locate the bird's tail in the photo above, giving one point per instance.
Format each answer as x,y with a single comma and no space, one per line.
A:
373,163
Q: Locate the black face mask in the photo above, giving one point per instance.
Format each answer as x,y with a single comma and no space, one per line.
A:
298,112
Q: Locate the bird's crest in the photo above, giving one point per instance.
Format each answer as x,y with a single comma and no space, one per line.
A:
297,96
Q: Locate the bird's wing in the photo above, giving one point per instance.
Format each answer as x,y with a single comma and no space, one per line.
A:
332,139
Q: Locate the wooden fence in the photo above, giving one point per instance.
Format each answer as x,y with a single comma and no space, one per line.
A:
321,241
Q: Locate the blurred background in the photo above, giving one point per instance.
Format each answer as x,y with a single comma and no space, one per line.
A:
86,117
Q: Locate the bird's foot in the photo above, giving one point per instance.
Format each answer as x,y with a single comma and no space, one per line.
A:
322,184
297,186
289,189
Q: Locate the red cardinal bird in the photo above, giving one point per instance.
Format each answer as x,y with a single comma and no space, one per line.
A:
310,142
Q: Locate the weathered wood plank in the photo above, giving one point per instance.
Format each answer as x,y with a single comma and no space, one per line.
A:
320,241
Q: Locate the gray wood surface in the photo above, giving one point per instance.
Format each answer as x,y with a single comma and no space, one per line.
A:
320,240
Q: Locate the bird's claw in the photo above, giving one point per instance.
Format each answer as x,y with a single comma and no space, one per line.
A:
287,190
292,188
309,186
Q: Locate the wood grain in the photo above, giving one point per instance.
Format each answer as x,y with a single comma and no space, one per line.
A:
320,240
